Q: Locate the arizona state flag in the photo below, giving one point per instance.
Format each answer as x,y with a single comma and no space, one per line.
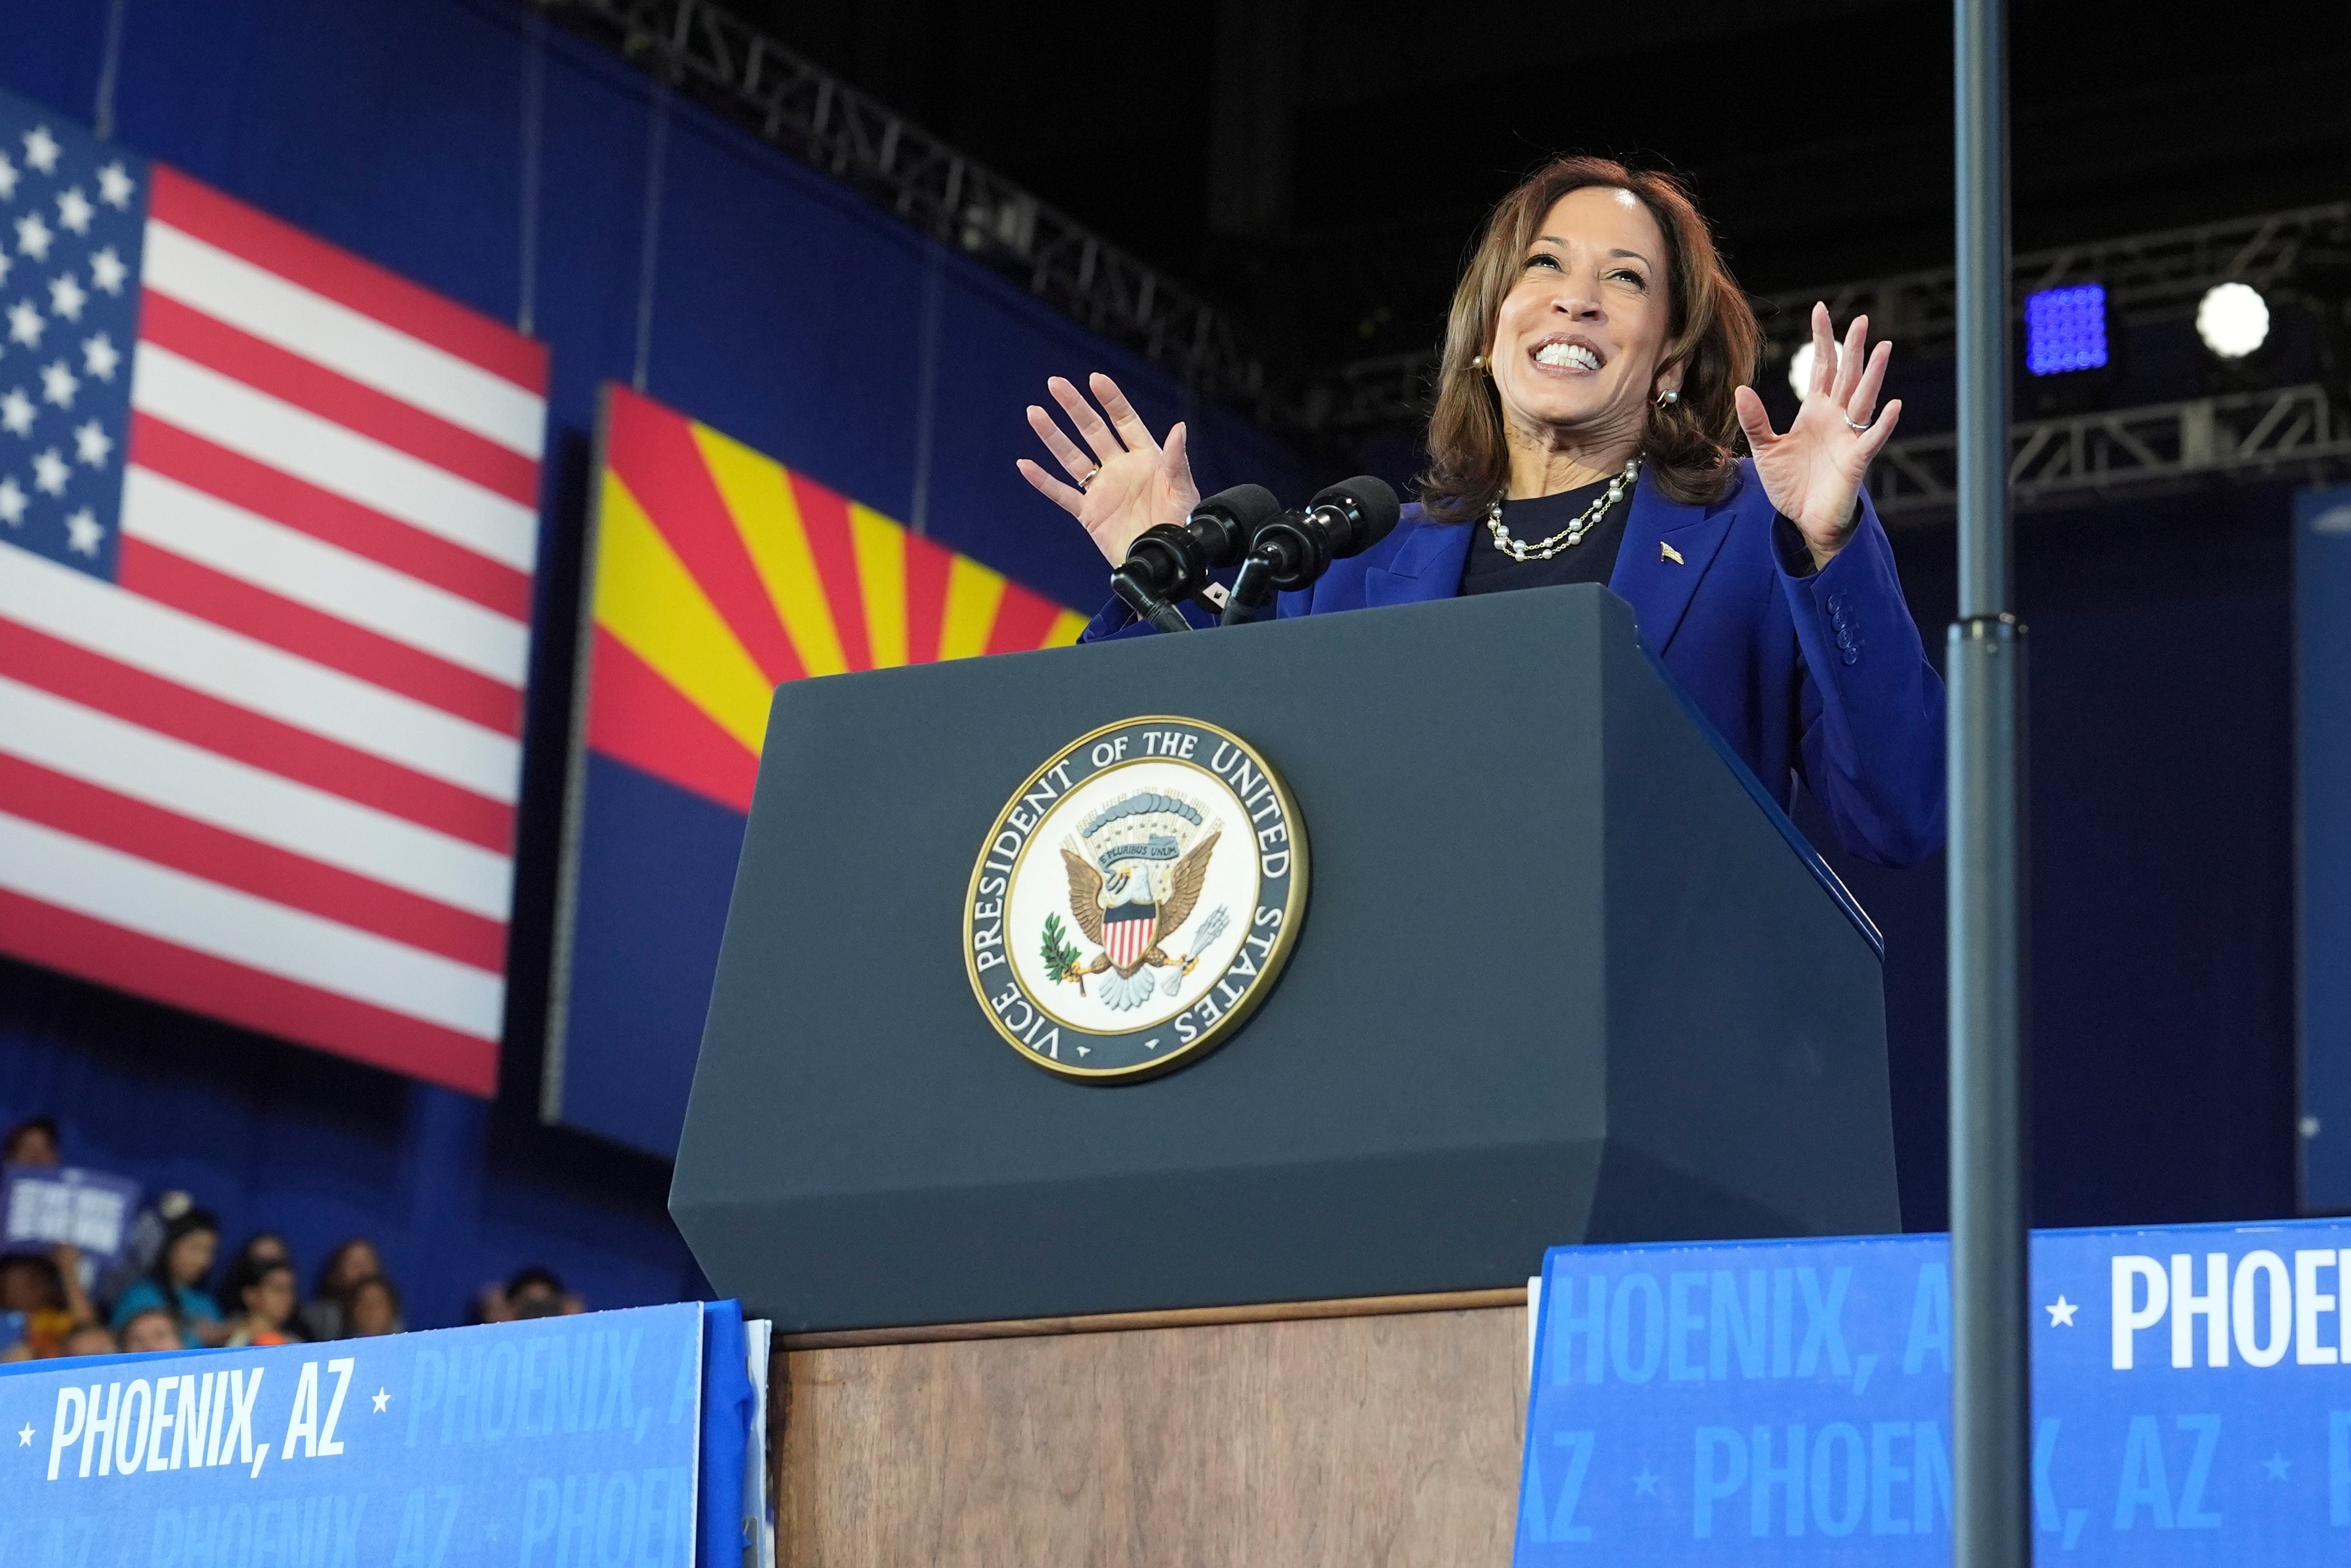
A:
712,575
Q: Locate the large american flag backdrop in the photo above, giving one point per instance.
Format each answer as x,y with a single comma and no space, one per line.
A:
268,536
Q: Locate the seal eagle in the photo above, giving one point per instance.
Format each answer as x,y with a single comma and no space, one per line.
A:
1135,896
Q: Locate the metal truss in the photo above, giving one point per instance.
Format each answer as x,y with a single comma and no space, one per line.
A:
708,52
2147,277
1388,389
2086,456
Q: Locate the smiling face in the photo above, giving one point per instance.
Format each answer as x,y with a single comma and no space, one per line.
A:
1579,337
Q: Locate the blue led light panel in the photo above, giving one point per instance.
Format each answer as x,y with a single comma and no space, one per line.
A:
2066,329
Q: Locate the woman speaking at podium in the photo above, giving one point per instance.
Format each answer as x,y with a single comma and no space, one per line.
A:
1589,404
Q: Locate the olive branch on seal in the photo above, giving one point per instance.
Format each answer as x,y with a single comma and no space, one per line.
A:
1061,960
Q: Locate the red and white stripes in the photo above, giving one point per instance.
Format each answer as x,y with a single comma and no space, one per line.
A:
270,772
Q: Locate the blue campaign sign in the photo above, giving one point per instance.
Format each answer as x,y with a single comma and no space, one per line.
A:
567,1442
41,1206
1789,1403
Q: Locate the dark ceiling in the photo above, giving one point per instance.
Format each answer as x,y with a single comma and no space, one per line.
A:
1318,169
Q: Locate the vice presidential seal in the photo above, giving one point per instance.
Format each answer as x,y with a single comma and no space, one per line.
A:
1136,899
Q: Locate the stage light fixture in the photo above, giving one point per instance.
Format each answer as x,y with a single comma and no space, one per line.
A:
2233,319
2066,329
1800,370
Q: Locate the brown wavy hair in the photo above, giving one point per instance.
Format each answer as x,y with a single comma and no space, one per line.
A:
1690,444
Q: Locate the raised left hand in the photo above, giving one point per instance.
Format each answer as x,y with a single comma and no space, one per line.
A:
1130,482
1813,473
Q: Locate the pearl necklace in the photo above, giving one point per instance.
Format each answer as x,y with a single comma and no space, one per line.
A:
1568,536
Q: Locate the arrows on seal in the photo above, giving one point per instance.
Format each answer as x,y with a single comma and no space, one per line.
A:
1210,929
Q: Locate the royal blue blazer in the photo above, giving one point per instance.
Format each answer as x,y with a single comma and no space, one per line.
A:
1821,677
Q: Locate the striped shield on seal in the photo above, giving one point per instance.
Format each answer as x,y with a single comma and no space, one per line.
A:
1128,931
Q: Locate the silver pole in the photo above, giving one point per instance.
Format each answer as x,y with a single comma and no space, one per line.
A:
1991,1373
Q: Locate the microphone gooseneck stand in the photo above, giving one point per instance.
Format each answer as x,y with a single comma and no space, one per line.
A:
1129,587
1291,551
1172,562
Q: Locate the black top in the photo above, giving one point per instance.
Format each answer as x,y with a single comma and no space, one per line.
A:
1487,570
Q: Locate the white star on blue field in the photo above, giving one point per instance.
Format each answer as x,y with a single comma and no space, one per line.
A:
73,213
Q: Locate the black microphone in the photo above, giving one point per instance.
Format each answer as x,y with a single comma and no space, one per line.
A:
1172,561
1289,552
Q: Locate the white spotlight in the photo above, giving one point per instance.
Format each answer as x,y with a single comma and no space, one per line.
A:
2233,319
1800,370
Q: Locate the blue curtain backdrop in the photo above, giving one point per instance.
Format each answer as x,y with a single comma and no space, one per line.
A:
781,308
2160,899
789,313
2322,571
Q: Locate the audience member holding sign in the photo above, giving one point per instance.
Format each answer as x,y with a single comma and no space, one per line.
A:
43,1283
46,1302
79,1277
32,1142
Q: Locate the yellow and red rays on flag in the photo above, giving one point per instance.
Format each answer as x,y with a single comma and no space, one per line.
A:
719,574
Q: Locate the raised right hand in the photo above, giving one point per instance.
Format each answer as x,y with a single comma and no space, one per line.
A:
1134,482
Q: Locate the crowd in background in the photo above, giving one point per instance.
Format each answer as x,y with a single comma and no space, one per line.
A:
169,1289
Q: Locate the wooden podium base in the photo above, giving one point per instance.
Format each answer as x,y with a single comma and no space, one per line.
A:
1385,1430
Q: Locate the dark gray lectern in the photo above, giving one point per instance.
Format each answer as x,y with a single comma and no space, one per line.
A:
1566,976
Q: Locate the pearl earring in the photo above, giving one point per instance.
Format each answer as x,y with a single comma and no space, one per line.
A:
1478,362
1668,397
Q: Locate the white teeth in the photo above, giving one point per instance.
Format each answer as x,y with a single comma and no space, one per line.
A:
1570,356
